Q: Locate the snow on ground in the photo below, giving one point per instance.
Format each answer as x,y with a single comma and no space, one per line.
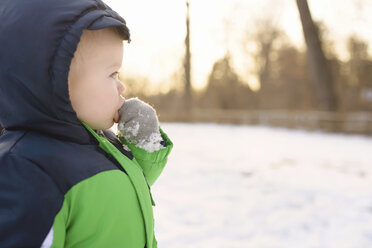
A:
231,186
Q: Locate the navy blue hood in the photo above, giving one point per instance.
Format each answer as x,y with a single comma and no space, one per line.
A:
38,39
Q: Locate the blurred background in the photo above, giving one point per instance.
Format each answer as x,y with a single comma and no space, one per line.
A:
268,103
281,63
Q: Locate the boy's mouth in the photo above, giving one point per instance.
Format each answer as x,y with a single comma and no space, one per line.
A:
116,117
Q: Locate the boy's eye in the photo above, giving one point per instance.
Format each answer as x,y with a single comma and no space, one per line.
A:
115,75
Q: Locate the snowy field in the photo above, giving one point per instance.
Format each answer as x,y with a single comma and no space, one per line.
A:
231,186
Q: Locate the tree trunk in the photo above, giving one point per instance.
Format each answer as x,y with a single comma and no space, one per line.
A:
187,63
320,72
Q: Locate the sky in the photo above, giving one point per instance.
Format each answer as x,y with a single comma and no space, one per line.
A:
158,32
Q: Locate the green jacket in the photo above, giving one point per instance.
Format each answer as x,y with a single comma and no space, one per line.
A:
111,208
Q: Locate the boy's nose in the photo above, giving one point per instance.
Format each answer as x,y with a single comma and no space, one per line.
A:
121,87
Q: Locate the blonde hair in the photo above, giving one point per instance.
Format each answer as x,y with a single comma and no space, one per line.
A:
89,39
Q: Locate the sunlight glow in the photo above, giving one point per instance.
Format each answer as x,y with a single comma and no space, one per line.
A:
158,32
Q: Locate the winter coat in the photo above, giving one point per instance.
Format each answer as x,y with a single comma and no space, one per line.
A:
63,184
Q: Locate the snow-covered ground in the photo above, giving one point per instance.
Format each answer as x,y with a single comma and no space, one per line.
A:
231,186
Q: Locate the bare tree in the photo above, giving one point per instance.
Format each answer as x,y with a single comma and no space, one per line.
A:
319,70
264,37
225,89
187,62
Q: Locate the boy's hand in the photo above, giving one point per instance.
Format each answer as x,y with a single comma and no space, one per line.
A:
138,124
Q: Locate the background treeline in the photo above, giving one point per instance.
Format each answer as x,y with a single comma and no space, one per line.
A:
283,73
309,88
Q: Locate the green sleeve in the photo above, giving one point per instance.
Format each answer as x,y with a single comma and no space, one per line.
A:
59,227
152,163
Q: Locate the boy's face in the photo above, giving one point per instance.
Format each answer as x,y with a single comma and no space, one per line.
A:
94,86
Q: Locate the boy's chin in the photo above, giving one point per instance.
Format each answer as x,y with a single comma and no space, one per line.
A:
109,125
101,126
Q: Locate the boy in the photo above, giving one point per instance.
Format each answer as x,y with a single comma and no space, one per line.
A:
65,181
